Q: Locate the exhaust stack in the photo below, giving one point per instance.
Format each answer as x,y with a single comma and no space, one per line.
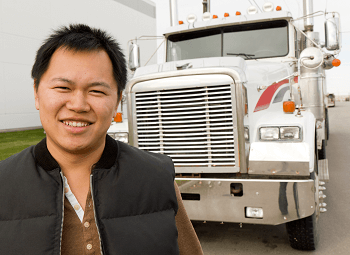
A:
206,6
308,21
173,13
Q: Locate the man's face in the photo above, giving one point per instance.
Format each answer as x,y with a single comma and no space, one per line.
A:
77,98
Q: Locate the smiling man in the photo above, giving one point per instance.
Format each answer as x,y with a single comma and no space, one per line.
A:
79,191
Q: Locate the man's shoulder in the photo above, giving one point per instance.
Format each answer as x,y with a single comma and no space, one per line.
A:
146,156
25,154
18,160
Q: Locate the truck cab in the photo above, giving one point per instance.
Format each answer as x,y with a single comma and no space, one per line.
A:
239,106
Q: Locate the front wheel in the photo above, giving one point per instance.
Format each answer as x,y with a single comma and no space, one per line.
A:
303,233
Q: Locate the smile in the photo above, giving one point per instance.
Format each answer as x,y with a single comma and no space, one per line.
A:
76,124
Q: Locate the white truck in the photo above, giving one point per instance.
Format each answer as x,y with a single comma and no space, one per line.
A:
240,107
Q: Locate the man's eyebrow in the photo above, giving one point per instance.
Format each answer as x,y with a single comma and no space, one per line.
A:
99,83
92,84
63,80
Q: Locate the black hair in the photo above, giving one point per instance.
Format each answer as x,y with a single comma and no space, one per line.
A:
80,37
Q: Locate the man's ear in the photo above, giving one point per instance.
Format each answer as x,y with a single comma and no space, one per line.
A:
36,97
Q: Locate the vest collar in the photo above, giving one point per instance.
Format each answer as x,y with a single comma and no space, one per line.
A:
109,156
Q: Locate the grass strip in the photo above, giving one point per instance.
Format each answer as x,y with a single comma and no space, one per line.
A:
14,142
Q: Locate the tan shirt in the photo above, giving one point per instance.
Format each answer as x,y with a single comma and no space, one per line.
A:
82,237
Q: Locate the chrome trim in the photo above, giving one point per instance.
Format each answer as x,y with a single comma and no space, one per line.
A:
279,158
190,138
282,200
279,168
133,139
239,128
236,75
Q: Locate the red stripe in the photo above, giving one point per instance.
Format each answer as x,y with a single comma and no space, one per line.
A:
266,97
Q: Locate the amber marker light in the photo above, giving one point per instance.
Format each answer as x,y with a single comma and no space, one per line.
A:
278,8
336,62
288,106
118,117
215,16
226,14
181,22
238,13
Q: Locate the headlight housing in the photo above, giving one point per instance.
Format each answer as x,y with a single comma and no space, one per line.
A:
246,134
120,136
290,133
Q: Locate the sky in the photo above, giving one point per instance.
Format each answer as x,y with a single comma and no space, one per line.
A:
337,81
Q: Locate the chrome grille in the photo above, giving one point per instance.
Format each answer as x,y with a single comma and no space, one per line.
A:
194,126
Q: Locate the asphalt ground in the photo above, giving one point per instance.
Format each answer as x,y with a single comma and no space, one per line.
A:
333,226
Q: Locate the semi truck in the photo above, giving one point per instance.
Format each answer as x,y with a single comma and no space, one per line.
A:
240,106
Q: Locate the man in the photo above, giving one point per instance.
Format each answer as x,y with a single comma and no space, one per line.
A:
79,191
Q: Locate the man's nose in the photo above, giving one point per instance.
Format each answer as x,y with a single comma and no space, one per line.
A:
78,102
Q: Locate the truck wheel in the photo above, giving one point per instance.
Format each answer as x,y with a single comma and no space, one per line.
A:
322,152
303,233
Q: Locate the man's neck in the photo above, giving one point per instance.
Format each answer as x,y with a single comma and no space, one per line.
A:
75,162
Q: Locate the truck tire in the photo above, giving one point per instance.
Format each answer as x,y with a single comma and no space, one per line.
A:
303,233
322,152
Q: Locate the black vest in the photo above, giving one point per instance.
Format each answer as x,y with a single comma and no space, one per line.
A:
134,200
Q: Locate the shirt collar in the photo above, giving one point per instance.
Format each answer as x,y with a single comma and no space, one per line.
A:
109,156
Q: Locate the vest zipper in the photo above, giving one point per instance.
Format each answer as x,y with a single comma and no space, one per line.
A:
62,212
93,204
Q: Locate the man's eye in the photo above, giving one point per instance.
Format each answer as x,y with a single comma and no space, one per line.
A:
62,88
98,92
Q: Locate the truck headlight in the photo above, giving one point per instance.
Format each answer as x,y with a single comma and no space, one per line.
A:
280,133
269,133
120,136
290,133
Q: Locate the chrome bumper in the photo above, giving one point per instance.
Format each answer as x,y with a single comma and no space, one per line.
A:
281,200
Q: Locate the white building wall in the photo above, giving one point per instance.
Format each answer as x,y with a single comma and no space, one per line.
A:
24,24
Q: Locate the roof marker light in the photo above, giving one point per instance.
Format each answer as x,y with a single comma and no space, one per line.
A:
278,8
226,14
191,18
206,16
336,62
252,10
268,7
215,16
238,13
180,22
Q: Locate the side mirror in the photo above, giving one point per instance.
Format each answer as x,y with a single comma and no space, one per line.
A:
134,56
333,39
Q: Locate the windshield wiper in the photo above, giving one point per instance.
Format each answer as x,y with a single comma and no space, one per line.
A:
244,54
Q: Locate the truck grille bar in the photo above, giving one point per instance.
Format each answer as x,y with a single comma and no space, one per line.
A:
194,126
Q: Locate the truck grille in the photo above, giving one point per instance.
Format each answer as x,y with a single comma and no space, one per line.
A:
194,126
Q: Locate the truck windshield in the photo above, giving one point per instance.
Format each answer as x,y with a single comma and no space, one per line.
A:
249,41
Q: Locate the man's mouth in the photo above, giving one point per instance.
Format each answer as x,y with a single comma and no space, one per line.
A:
76,123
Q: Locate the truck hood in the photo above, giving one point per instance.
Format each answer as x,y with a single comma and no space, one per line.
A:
264,73
233,62
261,72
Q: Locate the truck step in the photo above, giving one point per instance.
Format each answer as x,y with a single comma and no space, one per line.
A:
323,170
